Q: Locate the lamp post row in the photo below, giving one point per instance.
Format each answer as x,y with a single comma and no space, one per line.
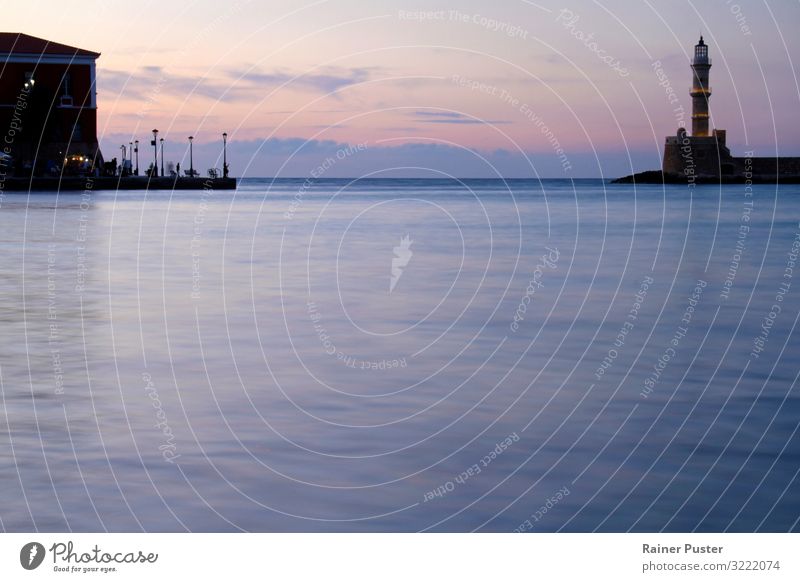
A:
127,157
133,148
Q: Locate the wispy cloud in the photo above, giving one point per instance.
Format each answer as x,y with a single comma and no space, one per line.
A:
147,83
445,114
328,80
453,117
238,84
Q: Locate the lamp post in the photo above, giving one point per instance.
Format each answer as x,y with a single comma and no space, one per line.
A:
191,161
224,155
162,157
136,151
154,143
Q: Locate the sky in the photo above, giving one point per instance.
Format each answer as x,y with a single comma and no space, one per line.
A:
347,88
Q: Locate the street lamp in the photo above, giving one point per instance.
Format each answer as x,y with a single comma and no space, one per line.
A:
224,155
191,161
136,151
162,157
154,143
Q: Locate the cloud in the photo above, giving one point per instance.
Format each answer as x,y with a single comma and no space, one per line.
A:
328,80
147,83
288,146
446,114
453,117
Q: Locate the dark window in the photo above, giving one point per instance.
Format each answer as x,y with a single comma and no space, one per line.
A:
66,95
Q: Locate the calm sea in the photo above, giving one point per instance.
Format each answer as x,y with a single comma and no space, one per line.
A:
401,355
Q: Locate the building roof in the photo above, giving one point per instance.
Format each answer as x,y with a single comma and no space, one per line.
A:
18,43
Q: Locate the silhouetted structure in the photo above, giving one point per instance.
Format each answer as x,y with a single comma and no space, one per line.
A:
704,156
48,106
48,121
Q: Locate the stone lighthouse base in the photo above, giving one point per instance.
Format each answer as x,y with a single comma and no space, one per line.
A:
707,160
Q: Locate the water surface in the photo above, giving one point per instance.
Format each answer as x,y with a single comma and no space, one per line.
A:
552,356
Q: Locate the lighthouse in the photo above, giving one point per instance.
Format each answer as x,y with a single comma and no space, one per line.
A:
703,157
701,91
703,154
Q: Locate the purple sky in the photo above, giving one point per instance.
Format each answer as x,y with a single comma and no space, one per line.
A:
467,88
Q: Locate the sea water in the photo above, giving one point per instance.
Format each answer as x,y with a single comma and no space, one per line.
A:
401,355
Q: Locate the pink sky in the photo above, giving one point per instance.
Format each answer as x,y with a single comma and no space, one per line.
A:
459,76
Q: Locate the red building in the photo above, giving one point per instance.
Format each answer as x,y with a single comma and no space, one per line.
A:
48,107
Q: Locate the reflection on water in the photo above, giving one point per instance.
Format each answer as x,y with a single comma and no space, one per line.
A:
400,355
